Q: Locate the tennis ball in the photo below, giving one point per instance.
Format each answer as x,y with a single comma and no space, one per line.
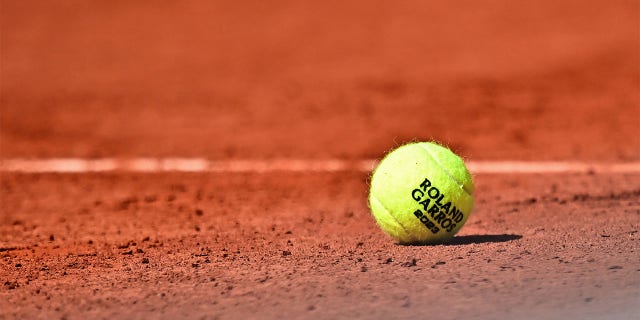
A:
421,193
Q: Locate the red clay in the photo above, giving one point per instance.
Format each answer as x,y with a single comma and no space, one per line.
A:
547,80
305,245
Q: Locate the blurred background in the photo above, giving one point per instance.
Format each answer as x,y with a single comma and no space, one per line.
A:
328,79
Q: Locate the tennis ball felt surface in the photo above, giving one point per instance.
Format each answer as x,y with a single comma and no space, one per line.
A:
421,193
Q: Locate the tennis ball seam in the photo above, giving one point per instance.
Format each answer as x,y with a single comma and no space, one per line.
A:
413,238
444,169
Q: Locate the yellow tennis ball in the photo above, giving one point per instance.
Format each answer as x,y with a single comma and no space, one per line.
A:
421,193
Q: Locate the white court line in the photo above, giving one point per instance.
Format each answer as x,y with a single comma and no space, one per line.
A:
157,165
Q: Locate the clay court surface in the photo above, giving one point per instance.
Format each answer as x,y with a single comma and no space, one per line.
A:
221,153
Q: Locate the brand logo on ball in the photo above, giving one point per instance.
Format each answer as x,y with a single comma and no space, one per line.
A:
436,215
